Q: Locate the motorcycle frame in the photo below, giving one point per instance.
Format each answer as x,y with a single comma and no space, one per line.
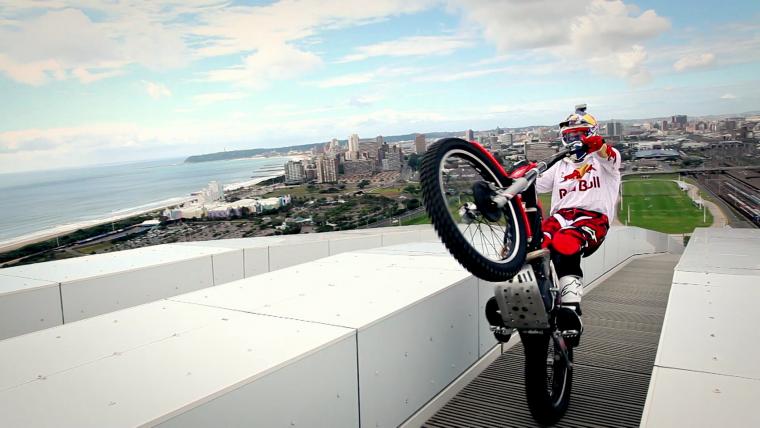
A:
522,187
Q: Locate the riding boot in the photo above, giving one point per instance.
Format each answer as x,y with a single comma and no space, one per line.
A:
568,316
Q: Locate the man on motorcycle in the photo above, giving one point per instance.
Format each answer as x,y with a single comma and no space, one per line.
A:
584,190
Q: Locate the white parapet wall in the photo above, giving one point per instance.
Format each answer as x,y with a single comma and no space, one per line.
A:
360,338
102,283
92,285
705,372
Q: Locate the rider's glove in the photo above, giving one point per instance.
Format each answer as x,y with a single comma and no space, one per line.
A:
592,143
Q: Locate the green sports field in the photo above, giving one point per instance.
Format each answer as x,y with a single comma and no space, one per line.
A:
660,205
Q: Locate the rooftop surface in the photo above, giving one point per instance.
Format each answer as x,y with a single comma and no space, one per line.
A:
369,336
622,319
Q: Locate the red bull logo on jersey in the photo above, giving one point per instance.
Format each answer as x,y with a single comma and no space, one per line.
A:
582,186
578,173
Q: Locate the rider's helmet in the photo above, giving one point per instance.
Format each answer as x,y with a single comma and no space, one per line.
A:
578,125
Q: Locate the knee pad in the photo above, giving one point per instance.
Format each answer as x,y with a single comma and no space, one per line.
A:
567,241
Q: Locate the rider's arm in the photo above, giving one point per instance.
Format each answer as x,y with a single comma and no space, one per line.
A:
545,181
609,159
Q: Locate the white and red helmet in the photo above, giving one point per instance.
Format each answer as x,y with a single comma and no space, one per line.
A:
577,126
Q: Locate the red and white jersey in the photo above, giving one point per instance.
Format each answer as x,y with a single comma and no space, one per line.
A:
591,185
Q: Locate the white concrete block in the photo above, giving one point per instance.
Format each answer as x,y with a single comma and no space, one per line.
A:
256,261
353,243
100,265
28,305
318,389
282,256
401,237
228,266
397,300
409,356
679,398
707,328
204,370
87,297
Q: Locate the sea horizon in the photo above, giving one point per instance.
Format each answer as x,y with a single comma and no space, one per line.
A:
56,201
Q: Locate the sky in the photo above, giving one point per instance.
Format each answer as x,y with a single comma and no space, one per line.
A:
92,82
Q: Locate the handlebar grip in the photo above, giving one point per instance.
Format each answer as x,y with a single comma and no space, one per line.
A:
518,186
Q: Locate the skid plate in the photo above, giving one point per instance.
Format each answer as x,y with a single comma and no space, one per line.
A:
520,301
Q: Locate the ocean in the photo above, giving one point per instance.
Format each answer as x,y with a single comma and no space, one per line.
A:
63,199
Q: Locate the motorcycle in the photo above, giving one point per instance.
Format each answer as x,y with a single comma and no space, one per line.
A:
490,219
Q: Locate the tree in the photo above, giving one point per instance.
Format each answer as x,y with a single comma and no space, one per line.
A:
412,204
412,189
414,161
362,184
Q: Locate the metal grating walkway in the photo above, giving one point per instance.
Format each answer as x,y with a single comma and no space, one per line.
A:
622,320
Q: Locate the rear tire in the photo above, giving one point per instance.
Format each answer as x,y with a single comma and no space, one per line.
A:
496,267
547,386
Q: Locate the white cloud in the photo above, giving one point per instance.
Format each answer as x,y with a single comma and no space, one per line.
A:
270,63
728,96
64,42
410,46
347,80
596,32
370,76
237,29
215,97
365,100
156,90
628,64
87,76
690,62
461,75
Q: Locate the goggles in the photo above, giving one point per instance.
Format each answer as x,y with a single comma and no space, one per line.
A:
575,135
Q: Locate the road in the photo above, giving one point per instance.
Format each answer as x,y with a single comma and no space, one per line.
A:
719,218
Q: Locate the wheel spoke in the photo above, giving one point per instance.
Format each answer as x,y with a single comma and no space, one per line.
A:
461,178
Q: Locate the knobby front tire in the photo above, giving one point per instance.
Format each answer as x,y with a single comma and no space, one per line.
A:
507,256
547,386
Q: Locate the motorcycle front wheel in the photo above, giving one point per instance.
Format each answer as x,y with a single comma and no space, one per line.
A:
458,180
548,378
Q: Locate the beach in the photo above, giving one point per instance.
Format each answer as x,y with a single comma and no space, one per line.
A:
47,209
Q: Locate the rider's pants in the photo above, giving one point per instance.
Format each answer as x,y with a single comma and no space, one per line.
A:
570,233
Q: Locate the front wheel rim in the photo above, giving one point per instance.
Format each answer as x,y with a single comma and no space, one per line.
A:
497,241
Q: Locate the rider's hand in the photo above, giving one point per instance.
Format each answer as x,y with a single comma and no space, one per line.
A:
592,143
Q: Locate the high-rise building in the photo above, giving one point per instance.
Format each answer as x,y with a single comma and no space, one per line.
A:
213,192
332,147
392,160
353,147
294,172
469,135
539,151
678,121
506,139
361,166
379,140
419,144
664,126
614,129
310,172
327,169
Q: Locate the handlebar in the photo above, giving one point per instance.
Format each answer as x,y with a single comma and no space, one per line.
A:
520,184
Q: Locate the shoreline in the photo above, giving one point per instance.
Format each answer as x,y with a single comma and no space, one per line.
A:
62,230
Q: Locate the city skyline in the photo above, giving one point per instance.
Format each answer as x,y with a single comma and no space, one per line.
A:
86,84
